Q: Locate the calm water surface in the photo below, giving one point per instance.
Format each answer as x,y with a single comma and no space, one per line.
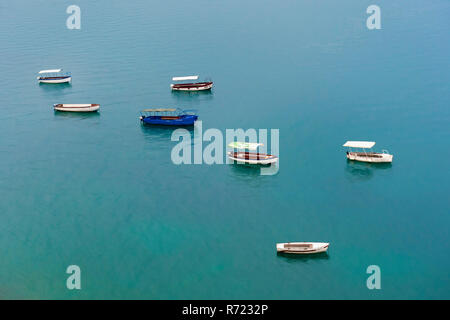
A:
101,192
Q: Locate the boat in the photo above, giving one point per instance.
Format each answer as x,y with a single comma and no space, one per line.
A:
190,86
250,157
302,247
366,156
76,107
54,76
169,117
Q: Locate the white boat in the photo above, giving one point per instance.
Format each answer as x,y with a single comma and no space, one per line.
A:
76,107
366,156
190,86
54,76
302,247
250,157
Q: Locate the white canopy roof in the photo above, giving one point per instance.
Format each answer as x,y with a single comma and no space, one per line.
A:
185,78
50,71
359,144
245,145
160,110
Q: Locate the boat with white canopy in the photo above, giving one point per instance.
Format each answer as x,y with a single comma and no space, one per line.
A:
54,76
188,85
364,155
250,157
302,247
76,107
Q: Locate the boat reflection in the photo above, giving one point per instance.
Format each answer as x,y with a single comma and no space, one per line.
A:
51,87
249,175
294,258
363,171
55,92
248,170
194,96
76,115
162,134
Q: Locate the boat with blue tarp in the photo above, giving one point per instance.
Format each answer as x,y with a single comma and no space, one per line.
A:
169,117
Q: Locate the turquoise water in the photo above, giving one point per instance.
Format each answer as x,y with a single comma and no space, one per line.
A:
101,192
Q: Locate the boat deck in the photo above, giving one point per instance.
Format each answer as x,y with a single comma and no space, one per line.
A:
368,154
251,155
53,78
191,85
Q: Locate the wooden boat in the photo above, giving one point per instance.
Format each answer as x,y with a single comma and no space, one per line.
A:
76,107
302,247
250,157
366,156
168,117
54,76
190,86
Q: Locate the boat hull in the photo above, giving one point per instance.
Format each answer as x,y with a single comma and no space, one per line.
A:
302,247
185,120
55,80
374,158
192,86
76,107
252,158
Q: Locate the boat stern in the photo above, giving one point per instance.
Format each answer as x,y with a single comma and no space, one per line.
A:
387,157
322,246
280,247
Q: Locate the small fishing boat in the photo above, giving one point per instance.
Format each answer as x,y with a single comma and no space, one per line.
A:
76,107
366,156
302,247
250,157
190,86
54,76
169,117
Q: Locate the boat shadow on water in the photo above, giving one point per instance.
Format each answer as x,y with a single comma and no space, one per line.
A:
293,258
363,171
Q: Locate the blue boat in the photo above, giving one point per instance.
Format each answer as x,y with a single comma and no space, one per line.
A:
168,117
